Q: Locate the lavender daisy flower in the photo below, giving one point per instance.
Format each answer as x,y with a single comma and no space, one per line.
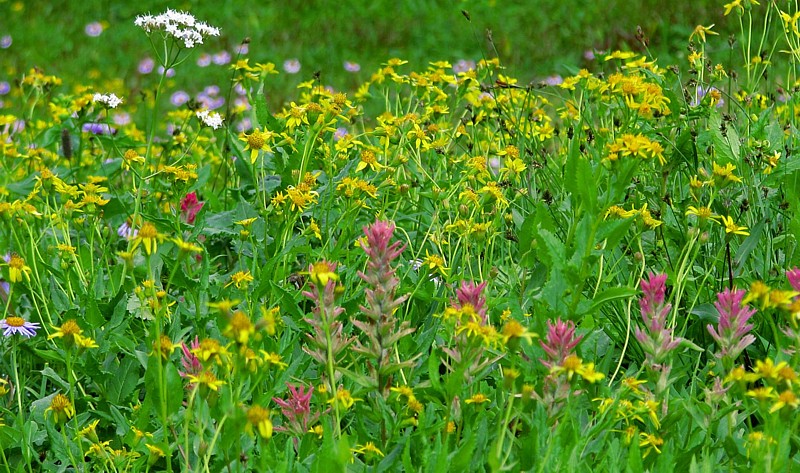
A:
146,65
170,71
125,230
5,41
93,29
463,65
204,60
212,90
179,98
98,129
340,133
352,66
121,118
5,88
17,325
221,58
291,66
243,48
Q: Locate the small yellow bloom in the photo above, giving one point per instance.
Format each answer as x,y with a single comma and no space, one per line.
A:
61,408
700,31
731,227
343,399
241,279
17,269
258,417
321,272
477,399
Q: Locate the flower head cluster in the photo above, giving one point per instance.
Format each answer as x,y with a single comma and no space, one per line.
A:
656,339
212,119
109,100
180,25
732,332
296,408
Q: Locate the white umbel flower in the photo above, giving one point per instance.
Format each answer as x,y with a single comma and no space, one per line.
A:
180,25
109,100
212,119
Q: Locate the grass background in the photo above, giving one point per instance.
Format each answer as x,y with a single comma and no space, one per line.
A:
534,39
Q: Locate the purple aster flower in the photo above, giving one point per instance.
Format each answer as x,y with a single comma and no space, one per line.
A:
204,60
463,65
340,133
242,102
554,80
5,41
126,231
588,55
121,118
291,66
5,88
93,29
179,98
18,325
352,66
98,129
170,71
5,286
221,58
244,125
211,90
702,92
243,48
239,89
146,66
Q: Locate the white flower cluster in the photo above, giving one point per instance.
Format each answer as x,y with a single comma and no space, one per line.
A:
109,100
180,25
212,119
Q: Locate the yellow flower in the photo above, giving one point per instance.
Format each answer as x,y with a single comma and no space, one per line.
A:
703,213
763,393
256,141
786,398
206,379
148,237
343,399
477,399
240,279
258,417
239,327
652,442
61,408
368,449
701,31
513,330
731,227
68,331
737,4
434,263
17,269
321,272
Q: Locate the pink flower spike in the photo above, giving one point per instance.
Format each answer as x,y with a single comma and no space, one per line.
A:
793,275
190,207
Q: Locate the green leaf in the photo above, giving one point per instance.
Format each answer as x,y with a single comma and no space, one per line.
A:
611,294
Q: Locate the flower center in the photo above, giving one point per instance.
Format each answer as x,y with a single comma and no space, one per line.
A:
15,321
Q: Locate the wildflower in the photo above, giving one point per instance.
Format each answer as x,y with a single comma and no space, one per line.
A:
61,408
190,207
351,66
211,119
291,66
17,269
513,331
256,141
657,340
343,399
762,393
703,213
652,442
190,362
148,237
297,409
786,399
477,399
180,25
700,31
239,327
258,417
241,279
368,449
559,343
731,227
164,346
732,330
206,379
434,263
322,272
71,334
108,100
209,349
17,325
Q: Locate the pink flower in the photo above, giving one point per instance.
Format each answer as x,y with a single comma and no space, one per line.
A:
656,339
793,275
191,364
190,207
732,332
559,342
